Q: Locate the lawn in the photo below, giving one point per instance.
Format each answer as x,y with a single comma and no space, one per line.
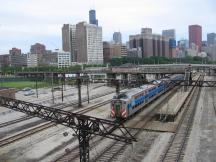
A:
22,84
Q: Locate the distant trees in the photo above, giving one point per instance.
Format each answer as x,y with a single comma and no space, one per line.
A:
113,62
13,70
159,60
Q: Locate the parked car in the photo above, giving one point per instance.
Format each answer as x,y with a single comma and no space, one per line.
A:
28,93
57,89
26,89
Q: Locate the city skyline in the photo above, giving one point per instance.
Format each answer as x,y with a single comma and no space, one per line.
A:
24,23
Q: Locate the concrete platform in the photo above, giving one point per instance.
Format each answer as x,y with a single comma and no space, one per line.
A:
170,110
140,120
201,146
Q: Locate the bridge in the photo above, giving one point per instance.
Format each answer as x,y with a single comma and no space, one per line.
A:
159,69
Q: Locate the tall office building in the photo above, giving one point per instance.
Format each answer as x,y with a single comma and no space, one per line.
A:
89,43
150,44
92,17
195,36
117,37
69,40
211,38
171,35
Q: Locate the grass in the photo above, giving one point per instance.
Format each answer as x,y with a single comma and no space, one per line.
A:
22,84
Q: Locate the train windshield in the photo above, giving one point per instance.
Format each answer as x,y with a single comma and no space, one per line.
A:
122,96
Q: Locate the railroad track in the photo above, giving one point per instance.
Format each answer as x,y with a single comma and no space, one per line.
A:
111,151
44,126
213,101
177,144
57,106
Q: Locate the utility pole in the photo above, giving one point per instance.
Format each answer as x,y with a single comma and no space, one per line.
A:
52,90
87,87
62,81
36,85
79,90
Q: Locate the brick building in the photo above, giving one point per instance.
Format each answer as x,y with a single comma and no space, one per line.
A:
7,92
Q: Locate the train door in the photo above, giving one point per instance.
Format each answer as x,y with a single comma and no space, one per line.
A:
117,107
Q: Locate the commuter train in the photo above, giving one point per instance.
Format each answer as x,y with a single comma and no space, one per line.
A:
131,101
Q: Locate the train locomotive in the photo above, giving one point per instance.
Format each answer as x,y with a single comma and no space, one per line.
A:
128,102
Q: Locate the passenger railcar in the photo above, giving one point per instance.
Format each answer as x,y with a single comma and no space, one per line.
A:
130,101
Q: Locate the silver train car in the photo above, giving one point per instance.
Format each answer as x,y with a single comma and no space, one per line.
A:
131,101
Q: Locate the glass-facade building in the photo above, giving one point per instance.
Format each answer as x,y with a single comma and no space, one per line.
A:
92,17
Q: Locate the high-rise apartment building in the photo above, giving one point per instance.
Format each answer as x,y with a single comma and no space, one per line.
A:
15,51
17,58
89,43
150,44
211,38
195,36
117,37
69,40
92,17
38,48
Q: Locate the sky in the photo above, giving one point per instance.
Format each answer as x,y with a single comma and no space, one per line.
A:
26,22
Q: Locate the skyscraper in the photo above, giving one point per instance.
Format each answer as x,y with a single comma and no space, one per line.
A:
117,38
211,38
92,17
89,43
69,40
195,36
171,35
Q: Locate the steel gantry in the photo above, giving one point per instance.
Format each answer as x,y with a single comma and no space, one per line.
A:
84,126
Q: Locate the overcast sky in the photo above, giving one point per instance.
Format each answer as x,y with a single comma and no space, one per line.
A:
25,22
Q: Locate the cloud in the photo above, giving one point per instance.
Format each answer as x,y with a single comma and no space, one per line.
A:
42,19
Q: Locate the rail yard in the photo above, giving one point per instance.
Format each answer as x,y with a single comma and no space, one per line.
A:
171,117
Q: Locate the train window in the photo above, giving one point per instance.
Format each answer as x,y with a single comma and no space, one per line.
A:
122,95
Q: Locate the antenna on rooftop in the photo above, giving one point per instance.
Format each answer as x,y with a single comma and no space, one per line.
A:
92,6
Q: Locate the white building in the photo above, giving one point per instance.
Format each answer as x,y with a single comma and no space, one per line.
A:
32,60
89,43
193,51
64,59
